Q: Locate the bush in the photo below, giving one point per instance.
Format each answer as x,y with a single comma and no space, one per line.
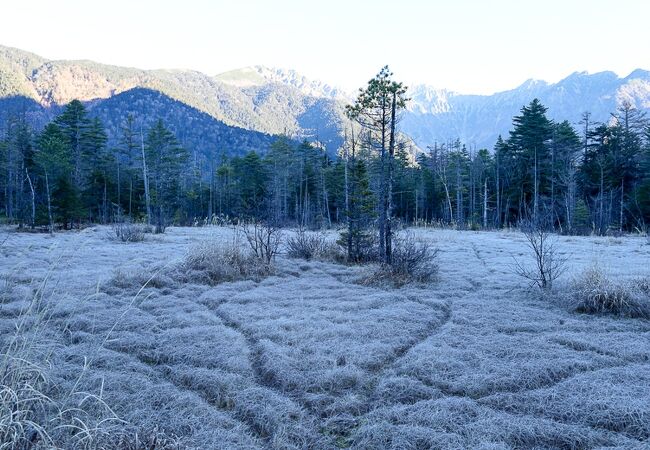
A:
213,263
548,263
411,261
306,245
593,292
129,232
363,245
264,239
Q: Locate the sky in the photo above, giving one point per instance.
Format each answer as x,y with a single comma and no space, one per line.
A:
469,46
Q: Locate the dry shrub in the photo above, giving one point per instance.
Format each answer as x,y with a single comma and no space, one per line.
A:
130,232
412,260
548,263
593,292
362,246
264,239
306,245
213,263
643,284
332,252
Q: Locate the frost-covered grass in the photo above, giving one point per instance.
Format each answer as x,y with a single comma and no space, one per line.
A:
307,357
595,292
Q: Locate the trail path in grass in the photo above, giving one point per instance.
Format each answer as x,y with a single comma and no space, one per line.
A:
310,359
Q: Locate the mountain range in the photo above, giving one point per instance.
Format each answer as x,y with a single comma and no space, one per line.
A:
243,109
437,115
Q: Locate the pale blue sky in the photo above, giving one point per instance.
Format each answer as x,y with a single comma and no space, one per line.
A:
471,46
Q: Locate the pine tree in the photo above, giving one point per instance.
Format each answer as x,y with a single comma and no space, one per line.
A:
98,165
164,158
74,124
127,158
251,182
53,161
376,109
529,143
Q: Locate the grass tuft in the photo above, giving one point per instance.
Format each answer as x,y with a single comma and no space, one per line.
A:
594,292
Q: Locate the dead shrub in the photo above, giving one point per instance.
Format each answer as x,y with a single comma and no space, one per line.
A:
412,260
333,252
643,284
213,263
129,232
306,245
548,263
593,292
264,239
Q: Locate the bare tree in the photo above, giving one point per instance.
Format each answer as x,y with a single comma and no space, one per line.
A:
440,162
264,239
31,187
145,178
548,263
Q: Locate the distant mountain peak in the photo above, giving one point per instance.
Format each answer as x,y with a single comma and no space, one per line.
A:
261,75
638,73
532,83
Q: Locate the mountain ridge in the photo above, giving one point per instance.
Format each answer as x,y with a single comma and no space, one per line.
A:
282,101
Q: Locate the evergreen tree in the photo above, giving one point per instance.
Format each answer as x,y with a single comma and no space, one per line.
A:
127,166
164,158
98,166
376,109
53,161
529,144
251,181
74,124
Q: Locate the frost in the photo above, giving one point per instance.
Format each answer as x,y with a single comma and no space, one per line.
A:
307,358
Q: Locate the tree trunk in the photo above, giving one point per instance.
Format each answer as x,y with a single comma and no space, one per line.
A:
105,202
620,226
49,204
601,194
347,197
31,187
536,193
498,186
145,178
485,194
389,193
119,191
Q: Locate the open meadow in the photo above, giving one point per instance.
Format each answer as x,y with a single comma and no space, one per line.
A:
135,350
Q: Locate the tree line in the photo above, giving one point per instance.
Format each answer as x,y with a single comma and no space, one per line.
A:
594,179
591,179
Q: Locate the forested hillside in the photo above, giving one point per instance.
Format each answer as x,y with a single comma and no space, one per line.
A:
272,106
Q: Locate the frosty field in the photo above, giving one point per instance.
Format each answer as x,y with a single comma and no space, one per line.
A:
308,358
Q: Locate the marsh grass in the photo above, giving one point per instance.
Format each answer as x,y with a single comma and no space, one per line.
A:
35,412
594,292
